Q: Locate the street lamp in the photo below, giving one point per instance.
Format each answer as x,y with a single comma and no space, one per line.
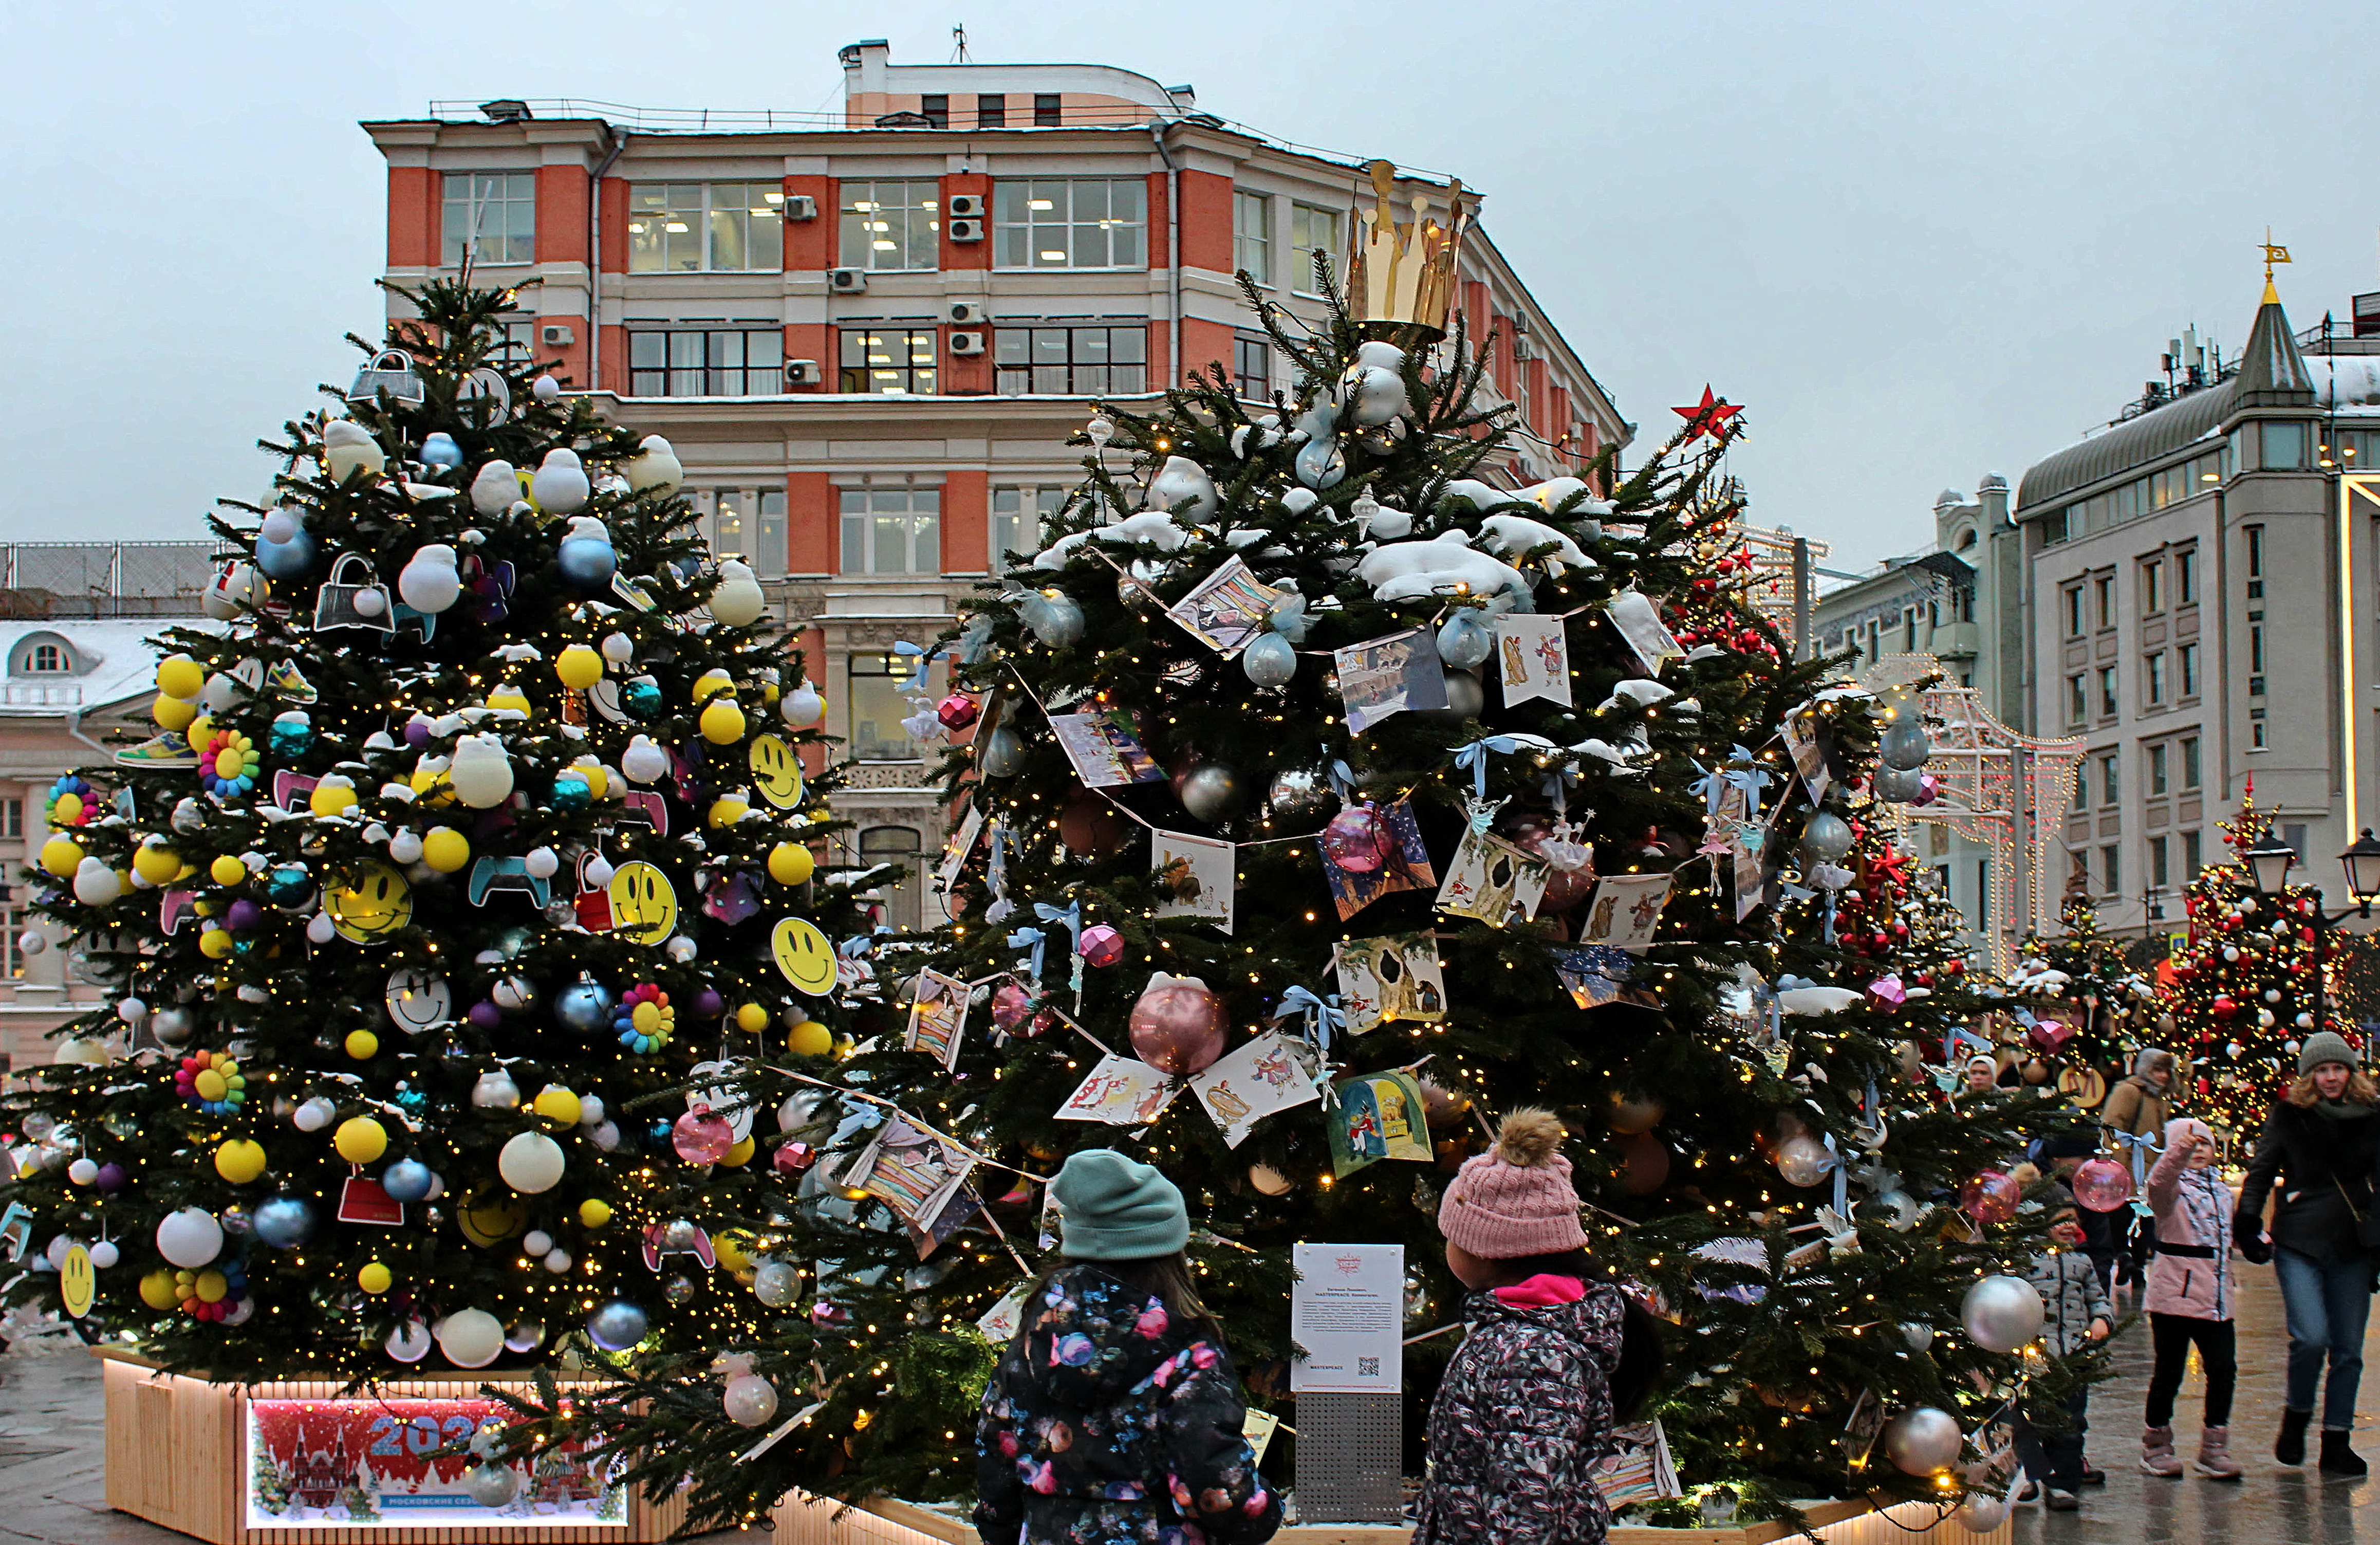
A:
2362,861
2269,864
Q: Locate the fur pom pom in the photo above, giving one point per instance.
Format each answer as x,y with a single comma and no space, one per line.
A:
1528,1137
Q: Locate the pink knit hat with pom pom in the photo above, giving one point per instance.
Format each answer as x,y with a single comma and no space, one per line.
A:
1515,1199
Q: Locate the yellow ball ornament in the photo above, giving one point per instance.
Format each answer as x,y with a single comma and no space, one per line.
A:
156,863
509,699
331,798
710,684
722,721
579,667
158,1289
179,675
733,1248
62,855
226,870
362,1045
727,810
740,1154
599,783
445,849
210,1287
215,943
172,713
238,1160
557,1105
375,1278
751,1018
809,1039
68,810
360,1140
789,863
593,1213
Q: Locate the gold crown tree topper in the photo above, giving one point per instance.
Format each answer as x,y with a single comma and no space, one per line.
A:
1401,276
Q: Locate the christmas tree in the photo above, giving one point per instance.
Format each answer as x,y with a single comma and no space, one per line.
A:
1325,801
2254,981
2079,1002
466,841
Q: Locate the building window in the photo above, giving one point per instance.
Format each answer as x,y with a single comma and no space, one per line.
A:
2259,735
492,216
888,361
1252,236
2256,661
876,708
2190,762
2073,597
892,226
1983,894
2284,446
2110,784
2078,700
1046,111
12,817
1019,516
2185,577
2154,681
2189,653
2293,837
2082,790
2107,703
727,528
2159,877
735,360
2152,588
1071,223
706,228
11,953
2255,553
1252,368
1311,230
891,531
2158,758
748,524
990,110
1070,360
2111,869
936,109
45,659
2103,596
900,845
768,552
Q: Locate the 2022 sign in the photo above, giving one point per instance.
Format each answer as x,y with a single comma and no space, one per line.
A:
399,1463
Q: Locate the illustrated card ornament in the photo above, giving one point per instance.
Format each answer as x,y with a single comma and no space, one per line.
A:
1269,1075
1625,910
1397,977
1376,1116
1533,656
937,1017
1389,676
956,852
1227,609
1635,1467
1372,851
1593,975
912,1173
1639,622
1122,1092
1195,876
1104,748
1493,881
1800,732
362,1200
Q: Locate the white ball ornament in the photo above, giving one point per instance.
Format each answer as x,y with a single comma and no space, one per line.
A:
590,1110
749,1400
546,389
557,1261
1917,1333
320,930
409,1343
1982,1512
33,942
737,600
655,465
429,582
530,1162
190,1239
618,648
495,1091
470,1338
599,871
481,771
83,1171
491,1486
2001,1313
559,486
405,847
95,884
314,1114
682,949
1923,1440
104,1254
644,763
278,527
536,1242
776,1285
605,1136
801,707
542,863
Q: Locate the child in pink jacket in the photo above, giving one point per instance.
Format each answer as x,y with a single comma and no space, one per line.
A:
2189,1298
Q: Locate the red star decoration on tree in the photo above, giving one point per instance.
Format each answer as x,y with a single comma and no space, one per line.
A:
1708,416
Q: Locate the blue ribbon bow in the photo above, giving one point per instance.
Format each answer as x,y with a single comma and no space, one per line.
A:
924,658
1034,940
1070,917
1751,779
2143,1144
1323,1016
1712,786
1474,757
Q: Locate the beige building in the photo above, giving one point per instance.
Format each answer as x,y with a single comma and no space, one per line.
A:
868,334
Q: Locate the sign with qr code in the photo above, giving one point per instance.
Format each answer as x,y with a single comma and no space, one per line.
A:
1346,1315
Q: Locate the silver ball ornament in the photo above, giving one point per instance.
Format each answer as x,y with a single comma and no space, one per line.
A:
1803,1161
1301,794
1827,837
776,1285
616,1326
1211,792
1270,660
1904,746
1982,1512
749,1400
2001,1313
1000,753
1923,1440
491,1486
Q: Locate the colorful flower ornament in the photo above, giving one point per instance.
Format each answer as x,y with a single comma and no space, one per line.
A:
72,802
212,1082
645,1019
228,765
213,1293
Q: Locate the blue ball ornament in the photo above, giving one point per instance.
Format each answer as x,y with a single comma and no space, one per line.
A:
585,1006
439,450
657,1134
411,1101
643,699
293,559
408,1180
616,1326
1465,641
284,1223
292,734
289,884
586,563
570,792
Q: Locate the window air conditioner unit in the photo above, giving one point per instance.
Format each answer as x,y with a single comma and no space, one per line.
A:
555,334
1522,351
968,313
847,281
966,206
966,342
804,372
801,206
966,230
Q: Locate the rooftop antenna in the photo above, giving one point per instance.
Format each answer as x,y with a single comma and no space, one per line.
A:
959,56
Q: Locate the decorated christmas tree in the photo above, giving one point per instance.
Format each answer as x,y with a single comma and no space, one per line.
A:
467,840
2080,1004
2247,989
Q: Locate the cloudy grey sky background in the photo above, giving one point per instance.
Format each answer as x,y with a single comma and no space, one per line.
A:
1920,242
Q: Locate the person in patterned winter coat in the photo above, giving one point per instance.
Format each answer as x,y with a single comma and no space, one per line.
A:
1527,1408
1114,1417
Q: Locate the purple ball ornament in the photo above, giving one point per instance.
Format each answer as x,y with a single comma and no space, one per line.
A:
111,1177
1102,945
2102,1185
1357,839
243,915
486,1015
417,731
1177,1025
708,1005
702,1137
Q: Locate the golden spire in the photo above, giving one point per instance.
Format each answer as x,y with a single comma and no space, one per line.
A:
2274,252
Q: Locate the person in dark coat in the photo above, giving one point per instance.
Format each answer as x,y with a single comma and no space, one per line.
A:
1114,1417
1527,1405
2315,1158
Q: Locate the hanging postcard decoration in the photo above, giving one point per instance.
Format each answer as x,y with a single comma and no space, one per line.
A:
1493,881
1375,1117
1372,851
1639,622
1122,1092
1625,910
1394,978
1227,609
1593,975
1532,653
1269,1075
1105,749
1800,732
1195,876
1389,676
955,852
937,1017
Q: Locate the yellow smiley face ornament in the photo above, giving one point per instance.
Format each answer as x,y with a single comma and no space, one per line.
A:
373,904
643,906
804,955
776,772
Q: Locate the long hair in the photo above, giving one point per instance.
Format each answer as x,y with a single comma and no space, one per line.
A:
1642,1354
2361,1090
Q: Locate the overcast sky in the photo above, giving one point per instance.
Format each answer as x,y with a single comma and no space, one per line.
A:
1920,242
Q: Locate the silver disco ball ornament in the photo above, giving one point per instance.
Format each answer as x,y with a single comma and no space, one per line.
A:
1300,794
2001,1313
1827,837
1923,1440
1898,786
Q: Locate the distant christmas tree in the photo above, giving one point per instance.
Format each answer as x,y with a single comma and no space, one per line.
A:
2080,1003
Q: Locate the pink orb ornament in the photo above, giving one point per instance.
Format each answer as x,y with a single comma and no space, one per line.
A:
1928,789
956,712
1101,945
702,1137
1991,1196
2102,1185
1357,839
793,1158
1011,1007
1177,1025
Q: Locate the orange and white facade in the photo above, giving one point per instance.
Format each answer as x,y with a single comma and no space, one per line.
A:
868,335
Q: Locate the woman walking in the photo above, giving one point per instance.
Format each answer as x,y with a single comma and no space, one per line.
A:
1114,1415
2189,1299
2315,1158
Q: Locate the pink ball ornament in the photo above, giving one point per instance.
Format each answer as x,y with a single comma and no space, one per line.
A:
2102,1185
1011,1007
1357,839
1991,1196
1101,945
702,1137
956,712
793,1158
1177,1025
1929,789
